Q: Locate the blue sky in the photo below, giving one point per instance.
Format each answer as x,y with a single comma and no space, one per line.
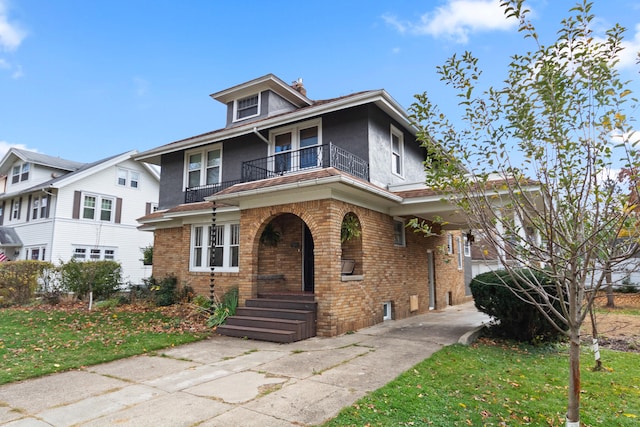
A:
84,80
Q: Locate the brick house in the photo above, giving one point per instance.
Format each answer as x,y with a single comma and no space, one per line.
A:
270,191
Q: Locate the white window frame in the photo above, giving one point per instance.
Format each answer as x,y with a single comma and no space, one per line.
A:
97,209
15,212
397,156
449,244
131,178
399,232
22,173
460,252
199,247
203,165
39,207
236,109
294,130
94,253
467,247
41,251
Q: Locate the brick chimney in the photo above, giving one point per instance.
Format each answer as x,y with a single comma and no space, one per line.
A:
297,85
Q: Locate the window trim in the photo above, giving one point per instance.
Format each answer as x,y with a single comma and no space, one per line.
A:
42,252
23,172
236,110
460,252
295,130
87,250
403,234
203,151
205,247
394,131
128,180
450,249
97,209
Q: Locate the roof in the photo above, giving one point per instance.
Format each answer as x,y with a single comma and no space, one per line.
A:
316,108
267,82
9,238
38,159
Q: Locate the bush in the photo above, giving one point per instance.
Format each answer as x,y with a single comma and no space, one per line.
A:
102,277
166,291
224,308
628,287
494,295
19,280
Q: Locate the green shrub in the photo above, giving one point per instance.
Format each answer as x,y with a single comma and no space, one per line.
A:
104,278
19,280
628,287
224,308
165,291
494,295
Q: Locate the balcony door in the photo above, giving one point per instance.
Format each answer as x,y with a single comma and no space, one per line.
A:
296,148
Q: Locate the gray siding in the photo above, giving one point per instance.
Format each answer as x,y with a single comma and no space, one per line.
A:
270,103
238,150
171,191
348,129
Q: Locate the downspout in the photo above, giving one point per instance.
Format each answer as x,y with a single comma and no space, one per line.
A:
212,256
255,130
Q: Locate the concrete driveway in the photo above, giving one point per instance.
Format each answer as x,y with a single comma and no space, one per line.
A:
226,381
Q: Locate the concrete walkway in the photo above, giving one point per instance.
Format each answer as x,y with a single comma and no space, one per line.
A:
226,381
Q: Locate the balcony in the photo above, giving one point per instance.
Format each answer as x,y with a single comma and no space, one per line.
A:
322,156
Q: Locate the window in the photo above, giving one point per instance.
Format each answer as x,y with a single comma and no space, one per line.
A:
296,148
449,244
35,253
15,209
20,172
39,207
94,253
226,247
397,151
398,232
128,178
203,168
460,252
94,203
467,247
247,107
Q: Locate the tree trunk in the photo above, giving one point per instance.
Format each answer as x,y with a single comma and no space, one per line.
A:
594,336
610,303
573,410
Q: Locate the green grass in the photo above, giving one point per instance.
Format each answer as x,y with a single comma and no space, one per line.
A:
492,384
37,342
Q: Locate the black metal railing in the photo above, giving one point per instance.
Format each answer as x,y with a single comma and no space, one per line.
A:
320,156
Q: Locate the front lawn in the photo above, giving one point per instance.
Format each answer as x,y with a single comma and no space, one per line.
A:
39,341
500,384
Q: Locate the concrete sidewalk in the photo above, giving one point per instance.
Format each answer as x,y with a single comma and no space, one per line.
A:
226,381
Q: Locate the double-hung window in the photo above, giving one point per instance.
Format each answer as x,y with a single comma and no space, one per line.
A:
245,108
226,246
297,147
20,172
98,208
203,167
39,207
128,178
397,151
398,232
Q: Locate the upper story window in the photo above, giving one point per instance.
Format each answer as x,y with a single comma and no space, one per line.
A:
16,206
128,178
39,207
245,108
98,208
20,172
297,147
397,151
203,167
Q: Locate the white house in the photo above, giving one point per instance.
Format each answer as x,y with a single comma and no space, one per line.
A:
53,209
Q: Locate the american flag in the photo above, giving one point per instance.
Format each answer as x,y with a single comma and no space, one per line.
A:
3,257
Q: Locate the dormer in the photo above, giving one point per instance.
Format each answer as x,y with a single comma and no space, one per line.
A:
261,98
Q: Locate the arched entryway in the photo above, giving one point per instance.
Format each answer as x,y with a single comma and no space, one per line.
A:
286,261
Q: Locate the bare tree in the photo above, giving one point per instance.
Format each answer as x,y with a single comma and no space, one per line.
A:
529,166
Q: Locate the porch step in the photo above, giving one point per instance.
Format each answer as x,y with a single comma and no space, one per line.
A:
262,334
295,319
297,326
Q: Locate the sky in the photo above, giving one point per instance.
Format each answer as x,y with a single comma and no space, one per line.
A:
85,80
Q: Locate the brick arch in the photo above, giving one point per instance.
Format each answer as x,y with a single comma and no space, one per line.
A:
352,249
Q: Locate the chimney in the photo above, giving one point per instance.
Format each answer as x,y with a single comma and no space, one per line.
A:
297,85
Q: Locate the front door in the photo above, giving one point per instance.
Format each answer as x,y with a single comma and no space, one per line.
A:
307,260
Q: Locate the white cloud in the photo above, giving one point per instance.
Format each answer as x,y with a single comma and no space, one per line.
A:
4,147
11,35
457,19
629,55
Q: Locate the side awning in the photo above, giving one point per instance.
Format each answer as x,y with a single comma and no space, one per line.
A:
9,238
